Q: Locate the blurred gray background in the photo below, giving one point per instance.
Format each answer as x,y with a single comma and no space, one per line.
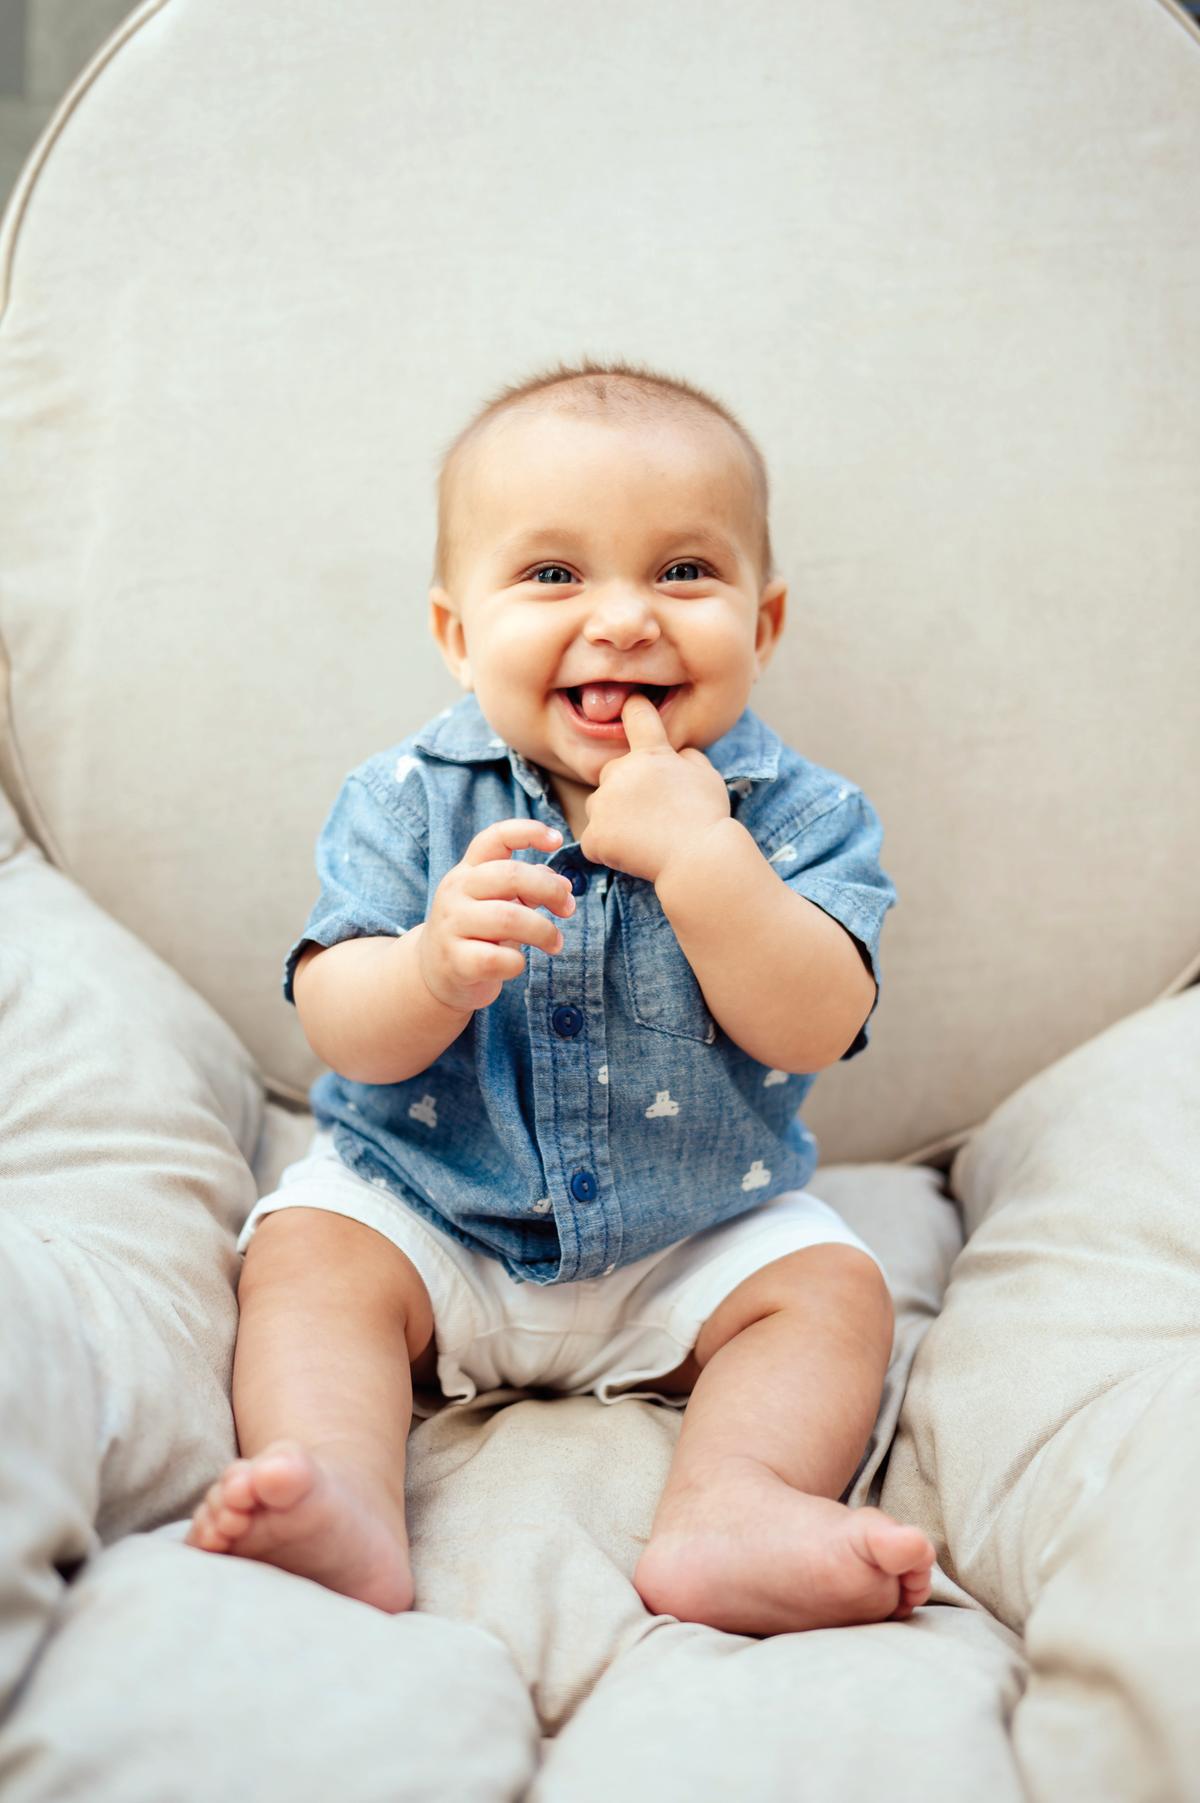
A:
43,46
45,43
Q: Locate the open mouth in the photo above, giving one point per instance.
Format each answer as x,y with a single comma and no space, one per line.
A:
599,714
656,691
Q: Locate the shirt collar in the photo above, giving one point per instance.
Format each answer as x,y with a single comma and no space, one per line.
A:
461,735
748,752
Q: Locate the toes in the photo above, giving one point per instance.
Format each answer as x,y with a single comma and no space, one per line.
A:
231,1523
282,1475
238,1486
277,1478
910,1602
205,1533
896,1549
915,1589
913,1595
223,1516
200,1520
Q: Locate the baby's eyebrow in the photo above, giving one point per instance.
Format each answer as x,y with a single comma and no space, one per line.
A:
524,543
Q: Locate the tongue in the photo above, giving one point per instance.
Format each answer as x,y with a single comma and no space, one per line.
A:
604,700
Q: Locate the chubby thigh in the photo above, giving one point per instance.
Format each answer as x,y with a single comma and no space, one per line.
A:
632,1333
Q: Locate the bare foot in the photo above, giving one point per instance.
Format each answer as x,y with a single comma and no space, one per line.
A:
748,1553
312,1515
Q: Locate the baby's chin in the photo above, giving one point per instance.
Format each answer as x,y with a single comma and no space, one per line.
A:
584,775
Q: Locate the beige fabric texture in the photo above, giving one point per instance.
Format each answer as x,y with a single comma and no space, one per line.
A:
175,1676
685,1715
49,1469
1048,1437
531,1529
128,1115
942,262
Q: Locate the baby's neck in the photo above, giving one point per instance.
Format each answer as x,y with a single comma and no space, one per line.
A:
572,798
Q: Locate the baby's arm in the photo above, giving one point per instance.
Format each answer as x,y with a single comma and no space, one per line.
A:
784,980
788,984
367,1010
381,1009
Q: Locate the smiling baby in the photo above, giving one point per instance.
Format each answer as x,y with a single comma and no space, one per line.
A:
581,945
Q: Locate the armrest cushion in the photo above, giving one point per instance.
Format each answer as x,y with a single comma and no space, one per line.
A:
129,1113
1069,1326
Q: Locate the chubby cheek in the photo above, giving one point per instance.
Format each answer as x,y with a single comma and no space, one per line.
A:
525,661
716,702
732,670
511,688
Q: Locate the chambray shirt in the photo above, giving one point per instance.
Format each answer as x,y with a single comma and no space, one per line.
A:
594,1113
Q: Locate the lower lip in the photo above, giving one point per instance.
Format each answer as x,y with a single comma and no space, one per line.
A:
605,729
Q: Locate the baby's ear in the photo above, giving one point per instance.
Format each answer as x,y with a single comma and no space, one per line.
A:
446,625
772,610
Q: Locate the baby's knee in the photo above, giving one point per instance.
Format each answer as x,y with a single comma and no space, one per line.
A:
826,1288
840,1289
312,1259
843,1274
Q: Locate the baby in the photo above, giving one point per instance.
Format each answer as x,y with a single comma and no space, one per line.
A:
580,946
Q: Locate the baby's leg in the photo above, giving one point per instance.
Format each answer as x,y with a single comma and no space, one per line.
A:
331,1313
748,1534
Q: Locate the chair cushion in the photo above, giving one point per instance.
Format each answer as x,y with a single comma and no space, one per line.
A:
1047,1440
129,1113
172,1673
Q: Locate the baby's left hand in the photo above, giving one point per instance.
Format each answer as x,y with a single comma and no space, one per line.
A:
653,802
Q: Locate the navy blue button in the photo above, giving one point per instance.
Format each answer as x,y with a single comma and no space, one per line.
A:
577,879
583,1186
567,1021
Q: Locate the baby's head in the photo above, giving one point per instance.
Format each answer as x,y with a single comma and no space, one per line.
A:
602,527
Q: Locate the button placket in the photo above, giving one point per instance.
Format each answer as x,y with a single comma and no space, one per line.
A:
565,1006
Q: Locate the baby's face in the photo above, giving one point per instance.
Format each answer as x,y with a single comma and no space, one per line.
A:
598,557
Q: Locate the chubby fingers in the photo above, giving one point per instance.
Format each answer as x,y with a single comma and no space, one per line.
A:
643,727
508,923
504,837
512,880
496,896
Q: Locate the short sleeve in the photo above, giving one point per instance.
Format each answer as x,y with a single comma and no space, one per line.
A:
373,873
833,860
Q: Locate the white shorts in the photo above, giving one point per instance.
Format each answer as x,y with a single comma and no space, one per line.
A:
604,1335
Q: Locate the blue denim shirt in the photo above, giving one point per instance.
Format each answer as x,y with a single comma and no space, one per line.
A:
594,1113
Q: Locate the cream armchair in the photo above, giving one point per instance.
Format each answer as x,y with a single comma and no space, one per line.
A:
261,265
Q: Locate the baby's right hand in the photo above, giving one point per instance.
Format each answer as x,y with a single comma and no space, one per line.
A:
484,910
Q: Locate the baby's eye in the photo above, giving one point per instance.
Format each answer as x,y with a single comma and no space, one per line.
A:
687,564
553,571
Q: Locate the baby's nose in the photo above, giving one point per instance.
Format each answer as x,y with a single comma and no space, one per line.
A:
624,619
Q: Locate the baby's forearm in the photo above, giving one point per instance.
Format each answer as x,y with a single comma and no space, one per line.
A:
784,980
368,1012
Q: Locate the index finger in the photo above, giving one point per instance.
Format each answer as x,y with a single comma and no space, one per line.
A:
643,728
504,837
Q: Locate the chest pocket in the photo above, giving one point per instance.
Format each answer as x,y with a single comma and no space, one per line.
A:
663,991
